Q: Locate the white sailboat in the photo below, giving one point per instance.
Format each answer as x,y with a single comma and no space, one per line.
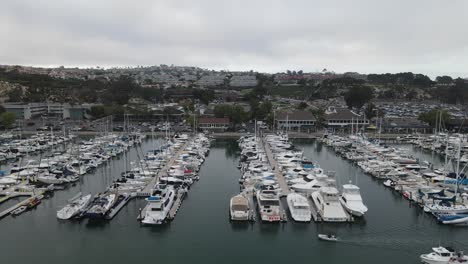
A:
443,208
75,206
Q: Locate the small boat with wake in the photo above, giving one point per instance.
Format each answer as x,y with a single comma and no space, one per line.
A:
329,237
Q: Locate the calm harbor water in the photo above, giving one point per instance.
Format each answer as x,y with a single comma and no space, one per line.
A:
391,232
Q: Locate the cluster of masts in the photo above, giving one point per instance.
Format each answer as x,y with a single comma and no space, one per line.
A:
44,173
439,191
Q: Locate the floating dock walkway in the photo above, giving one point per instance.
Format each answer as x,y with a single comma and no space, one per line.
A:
276,169
6,212
149,187
177,203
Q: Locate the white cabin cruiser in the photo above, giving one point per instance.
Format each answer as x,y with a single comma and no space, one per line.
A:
326,200
159,205
443,255
239,208
269,205
352,201
299,207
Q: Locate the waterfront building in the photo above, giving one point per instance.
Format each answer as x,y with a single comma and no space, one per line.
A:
296,120
214,124
343,118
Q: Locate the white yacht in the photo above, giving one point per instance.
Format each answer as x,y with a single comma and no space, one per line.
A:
269,205
48,178
299,207
352,201
326,200
239,208
159,205
101,205
442,255
318,181
75,206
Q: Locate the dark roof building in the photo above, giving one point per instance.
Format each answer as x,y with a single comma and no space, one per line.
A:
336,118
295,120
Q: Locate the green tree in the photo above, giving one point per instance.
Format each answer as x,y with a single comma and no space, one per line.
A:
411,95
235,113
97,111
262,111
302,105
444,79
7,119
435,116
205,96
372,111
15,95
357,96
319,115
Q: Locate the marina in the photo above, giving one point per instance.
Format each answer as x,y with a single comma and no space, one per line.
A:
271,166
388,227
439,191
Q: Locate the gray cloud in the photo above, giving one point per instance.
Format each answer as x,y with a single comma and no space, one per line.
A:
363,35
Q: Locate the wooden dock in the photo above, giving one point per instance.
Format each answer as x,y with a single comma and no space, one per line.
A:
177,203
252,207
149,187
276,169
114,211
24,202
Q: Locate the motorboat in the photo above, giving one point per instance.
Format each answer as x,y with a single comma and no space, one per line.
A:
239,208
51,179
19,210
75,206
299,207
331,238
269,205
159,205
352,201
315,184
326,200
443,255
101,205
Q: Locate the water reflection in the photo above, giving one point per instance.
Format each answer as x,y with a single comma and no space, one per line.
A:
240,226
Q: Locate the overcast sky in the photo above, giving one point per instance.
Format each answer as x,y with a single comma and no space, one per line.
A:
427,36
